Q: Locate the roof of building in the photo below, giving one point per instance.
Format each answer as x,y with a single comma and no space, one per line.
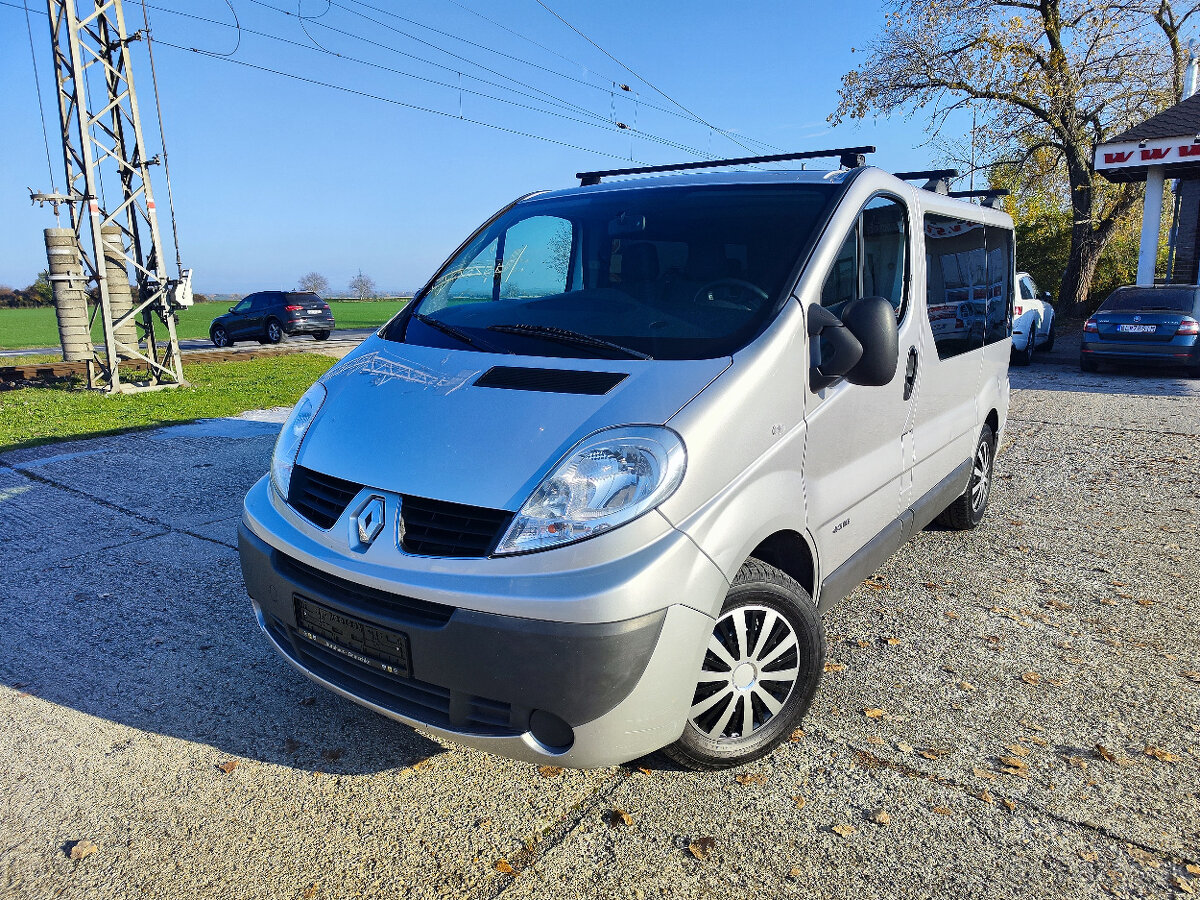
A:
1180,120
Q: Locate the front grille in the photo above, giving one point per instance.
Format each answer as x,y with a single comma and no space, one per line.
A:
440,528
319,498
370,600
410,697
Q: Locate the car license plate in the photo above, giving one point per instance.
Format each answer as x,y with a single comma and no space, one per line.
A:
368,645
315,312
1137,329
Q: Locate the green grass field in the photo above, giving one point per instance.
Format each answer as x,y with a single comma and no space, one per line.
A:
32,416
37,327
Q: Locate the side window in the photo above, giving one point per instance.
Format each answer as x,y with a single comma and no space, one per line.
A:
957,283
885,252
1000,279
841,284
537,258
244,306
873,260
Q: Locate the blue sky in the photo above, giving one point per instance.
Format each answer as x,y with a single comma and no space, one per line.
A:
274,177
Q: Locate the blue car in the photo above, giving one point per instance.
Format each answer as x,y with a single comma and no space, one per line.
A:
1157,325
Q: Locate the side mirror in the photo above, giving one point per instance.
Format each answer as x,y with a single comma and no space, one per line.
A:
1046,296
231,309
872,320
835,349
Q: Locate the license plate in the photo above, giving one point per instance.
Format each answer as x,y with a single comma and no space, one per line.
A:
315,312
1137,329
368,645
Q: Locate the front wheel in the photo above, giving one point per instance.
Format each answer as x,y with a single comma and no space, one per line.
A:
760,672
1049,345
967,511
1025,357
220,337
274,333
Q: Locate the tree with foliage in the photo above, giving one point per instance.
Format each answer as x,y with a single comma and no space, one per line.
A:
1049,81
314,282
42,289
362,287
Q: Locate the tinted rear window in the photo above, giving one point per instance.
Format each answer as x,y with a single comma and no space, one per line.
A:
1172,299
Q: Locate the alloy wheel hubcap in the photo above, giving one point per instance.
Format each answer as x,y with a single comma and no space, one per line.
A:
748,674
981,476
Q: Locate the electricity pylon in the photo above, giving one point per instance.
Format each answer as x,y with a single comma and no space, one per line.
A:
117,237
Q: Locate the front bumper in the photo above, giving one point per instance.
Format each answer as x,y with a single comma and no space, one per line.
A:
484,678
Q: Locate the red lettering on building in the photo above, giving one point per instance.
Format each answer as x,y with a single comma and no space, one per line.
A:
1190,150
1155,152
1110,158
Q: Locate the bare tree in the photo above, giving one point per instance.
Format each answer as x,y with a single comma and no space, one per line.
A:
315,282
1049,80
362,287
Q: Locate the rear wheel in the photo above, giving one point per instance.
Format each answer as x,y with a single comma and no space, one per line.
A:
967,511
759,675
320,335
274,332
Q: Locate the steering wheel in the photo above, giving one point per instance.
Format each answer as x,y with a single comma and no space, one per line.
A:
729,292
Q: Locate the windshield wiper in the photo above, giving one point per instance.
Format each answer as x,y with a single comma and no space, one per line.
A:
457,333
566,336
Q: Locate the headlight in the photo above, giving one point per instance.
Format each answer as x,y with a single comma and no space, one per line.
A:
610,477
287,445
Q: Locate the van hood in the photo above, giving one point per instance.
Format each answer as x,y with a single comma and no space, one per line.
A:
414,420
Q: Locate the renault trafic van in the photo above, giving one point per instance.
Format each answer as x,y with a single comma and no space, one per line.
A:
589,493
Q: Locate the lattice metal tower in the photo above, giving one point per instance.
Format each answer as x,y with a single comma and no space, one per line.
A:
116,229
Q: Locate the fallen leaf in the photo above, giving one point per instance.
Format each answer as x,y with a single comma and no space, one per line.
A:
801,803
751,778
1031,678
1105,754
797,735
1194,676
644,770
893,641
880,817
311,890
555,771
1009,805
333,754
942,811
1089,856
844,830
503,867
1162,755
983,773
229,765
82,849
308,701
1182,884
873,713
966,686
950,614
1017,750
986,796
618,818
1193,868
834,667
1078,762
291,745
903,747
1144,601
702,847
1145,857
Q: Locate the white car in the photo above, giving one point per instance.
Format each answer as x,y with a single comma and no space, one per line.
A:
1033,321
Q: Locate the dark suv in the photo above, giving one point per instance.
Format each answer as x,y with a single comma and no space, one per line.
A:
268,315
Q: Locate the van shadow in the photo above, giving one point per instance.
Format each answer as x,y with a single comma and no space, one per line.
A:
178,653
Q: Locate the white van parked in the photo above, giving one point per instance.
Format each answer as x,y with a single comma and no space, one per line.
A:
588,494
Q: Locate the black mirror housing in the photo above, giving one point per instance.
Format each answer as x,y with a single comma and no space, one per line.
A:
872,321
836,351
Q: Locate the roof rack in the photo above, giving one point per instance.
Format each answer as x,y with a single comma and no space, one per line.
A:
849,157
990,197
936,180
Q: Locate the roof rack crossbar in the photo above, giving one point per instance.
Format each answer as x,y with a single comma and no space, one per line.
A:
927,174
850,157
989,192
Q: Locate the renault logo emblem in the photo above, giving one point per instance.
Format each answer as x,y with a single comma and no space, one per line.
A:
370,520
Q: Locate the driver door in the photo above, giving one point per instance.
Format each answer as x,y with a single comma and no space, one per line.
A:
855,468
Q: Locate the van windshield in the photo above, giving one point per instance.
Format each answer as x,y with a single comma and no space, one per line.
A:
687,272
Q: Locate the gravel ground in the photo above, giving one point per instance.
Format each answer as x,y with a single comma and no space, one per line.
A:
1040,734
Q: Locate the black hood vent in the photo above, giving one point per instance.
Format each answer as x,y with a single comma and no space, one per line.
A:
551,381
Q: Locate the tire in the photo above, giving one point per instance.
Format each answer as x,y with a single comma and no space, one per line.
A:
1088,365
274,332
1049,345
220,337
320,335
967,511
1025,357
760,597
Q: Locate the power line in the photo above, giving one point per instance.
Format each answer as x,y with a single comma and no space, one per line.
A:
649,83
41,107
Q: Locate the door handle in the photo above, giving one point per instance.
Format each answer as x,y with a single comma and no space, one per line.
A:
910,373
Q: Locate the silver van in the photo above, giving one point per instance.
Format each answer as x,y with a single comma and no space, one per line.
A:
588,494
